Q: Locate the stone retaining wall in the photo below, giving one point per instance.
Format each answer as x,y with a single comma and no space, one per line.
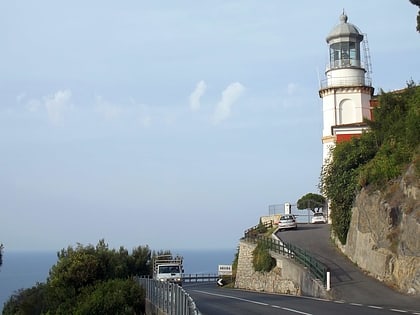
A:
287,277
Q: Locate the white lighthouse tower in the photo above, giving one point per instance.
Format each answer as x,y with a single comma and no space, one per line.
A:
346,90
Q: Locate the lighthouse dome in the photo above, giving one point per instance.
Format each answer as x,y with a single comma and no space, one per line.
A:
344,30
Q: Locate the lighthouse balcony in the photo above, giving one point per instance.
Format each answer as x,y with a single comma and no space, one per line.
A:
344,63
345,81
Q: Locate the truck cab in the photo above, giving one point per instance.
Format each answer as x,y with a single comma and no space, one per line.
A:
168,268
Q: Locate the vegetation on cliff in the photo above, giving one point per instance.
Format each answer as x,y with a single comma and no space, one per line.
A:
378,156
87,280
261,258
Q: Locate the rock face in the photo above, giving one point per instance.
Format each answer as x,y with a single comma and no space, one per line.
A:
384,234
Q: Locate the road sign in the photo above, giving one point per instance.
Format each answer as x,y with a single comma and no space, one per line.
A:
225,270
220,282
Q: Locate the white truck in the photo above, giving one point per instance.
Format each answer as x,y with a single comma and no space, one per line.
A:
168,268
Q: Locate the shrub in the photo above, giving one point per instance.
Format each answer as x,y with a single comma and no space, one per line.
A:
377,157
262,260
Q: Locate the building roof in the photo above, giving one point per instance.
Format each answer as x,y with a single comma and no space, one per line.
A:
345,30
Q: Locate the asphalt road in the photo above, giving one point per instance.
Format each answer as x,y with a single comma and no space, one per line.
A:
348,283
213,300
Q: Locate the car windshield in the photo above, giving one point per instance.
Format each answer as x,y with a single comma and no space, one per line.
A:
318,215
168,269
287,217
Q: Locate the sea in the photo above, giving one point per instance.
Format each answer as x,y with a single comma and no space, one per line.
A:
24,269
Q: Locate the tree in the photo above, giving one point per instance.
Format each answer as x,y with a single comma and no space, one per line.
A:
26,301
87,280
417,3
112,297
311,201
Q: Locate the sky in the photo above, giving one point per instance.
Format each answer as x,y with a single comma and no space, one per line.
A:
171,124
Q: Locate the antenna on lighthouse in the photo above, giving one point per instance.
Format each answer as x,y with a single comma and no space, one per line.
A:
368,63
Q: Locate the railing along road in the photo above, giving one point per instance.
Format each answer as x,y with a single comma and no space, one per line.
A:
169,298
303,257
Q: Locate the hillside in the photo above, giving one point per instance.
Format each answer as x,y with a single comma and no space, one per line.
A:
384,233
373,184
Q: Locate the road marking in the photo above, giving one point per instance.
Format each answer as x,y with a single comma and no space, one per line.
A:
294,311
253,302
303,313
376,307
232,297
356,304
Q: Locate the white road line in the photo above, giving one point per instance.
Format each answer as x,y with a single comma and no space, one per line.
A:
356,304
397,310
232,297
295,311
253,302
375,307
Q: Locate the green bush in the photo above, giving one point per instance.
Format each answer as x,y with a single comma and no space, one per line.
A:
87,280
112,297
262,260
377,157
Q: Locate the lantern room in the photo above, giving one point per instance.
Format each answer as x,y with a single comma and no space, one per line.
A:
345,65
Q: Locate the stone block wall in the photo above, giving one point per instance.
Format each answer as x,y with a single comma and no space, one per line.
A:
287,277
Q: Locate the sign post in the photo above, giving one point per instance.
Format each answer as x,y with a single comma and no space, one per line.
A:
223,270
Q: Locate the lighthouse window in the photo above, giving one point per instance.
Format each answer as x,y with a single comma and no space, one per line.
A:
335,54
352,48
344,54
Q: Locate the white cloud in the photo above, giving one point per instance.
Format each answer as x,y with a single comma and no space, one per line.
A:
20,98
57,104
195,96
229,96
33,105
145,121
291,88
106,109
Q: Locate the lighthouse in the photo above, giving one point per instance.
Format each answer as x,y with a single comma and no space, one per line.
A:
346,90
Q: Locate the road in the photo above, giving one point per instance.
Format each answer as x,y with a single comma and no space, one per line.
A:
348,282
213,300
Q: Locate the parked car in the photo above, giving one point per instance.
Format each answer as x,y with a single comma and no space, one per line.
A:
318,217
287,221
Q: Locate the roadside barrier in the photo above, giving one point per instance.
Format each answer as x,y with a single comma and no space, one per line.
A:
168,298
317,269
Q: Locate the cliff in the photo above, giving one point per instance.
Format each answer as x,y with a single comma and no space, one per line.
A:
384,234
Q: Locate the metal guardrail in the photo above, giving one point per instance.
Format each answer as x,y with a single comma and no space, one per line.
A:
200,277
330,82
303,257
169,298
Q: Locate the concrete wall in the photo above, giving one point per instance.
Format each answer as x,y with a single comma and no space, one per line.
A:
287,277
274,218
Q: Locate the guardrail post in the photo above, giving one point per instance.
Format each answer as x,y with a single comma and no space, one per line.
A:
328,280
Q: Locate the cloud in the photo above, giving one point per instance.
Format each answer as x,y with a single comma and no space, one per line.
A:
20,98
33,105
106,109
229,96
291,88
57,104
195,96
293,97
